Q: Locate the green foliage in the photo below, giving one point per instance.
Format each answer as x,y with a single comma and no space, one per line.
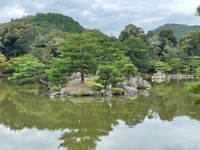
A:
50,21
28,72
190,44
20,36
108,75
13,63
194,87
43,55
194,61
49,43
131,30
136,49
2,62
185,69
97,87
197,71
57,74
16,38
79,49
117,91
130,70
176,64
162,67
58,21
166,36
45,36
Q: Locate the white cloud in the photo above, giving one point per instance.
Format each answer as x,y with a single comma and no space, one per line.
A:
11,12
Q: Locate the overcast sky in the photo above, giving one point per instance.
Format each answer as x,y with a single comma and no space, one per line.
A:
110,16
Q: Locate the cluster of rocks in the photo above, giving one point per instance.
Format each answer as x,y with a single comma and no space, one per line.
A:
128,87
76,92
160,77
133,84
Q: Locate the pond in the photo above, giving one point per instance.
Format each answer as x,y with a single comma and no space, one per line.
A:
164,118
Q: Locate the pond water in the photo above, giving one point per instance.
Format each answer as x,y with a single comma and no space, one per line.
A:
163,119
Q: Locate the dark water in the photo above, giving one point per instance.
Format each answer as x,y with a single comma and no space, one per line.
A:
164,119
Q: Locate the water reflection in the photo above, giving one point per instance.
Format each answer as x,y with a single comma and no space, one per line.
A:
81,123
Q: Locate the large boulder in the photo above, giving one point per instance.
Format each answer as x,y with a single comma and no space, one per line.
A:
138,83
75,76
64,92
129,90
133,84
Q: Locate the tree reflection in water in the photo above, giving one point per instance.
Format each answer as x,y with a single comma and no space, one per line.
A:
83,121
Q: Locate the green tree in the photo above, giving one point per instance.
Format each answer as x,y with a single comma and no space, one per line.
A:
57,74
28,72
166,36
13,63
162,66
79,49
176,64
130,70
190,44
108,75
48,42
197,71
164,47
131,30
16,38
136,49
194,62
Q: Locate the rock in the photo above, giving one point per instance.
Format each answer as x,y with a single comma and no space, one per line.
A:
129,90
121,84
63,92
139,83
91,93
75,92
108,93
134,83
55,95
75,76
103,91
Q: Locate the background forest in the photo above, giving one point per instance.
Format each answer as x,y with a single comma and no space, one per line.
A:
49,47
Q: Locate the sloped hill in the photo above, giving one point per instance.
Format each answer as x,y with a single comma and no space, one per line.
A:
178,29
52,21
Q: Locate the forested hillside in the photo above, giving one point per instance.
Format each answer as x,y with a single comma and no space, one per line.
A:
27,34
178,29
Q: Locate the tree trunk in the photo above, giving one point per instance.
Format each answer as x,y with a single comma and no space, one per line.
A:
43,82
82,75
177,75
105,86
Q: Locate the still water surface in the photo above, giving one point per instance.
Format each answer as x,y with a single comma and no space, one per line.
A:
164,119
